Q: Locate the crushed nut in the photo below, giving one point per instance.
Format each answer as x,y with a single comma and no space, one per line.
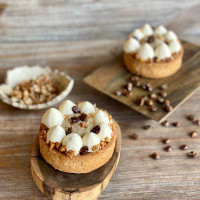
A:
95,147
62,149
107,139
52,145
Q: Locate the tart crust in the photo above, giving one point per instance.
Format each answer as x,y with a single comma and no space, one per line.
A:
153,69
80,163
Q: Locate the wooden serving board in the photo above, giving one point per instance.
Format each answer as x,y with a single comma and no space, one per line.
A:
64,186
181,86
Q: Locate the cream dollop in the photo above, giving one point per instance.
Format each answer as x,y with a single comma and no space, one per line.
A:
163,51
174,46
90,140
146,52
73,142
131,45
147,30
170,35
138,34
86,107
52,117
100,117
55,134
105,131
66,107
160,30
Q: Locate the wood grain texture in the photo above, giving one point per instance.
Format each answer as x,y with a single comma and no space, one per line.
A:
59,185
181,86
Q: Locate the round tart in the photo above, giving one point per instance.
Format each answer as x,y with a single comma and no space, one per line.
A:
77,138
153,53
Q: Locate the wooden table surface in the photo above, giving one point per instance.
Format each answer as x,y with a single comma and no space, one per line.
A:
36,32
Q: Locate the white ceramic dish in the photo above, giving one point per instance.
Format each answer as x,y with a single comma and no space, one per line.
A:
25,73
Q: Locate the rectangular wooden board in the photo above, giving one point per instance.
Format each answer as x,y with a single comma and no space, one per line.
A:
181,86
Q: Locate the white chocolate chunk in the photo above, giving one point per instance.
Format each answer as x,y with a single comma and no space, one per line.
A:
86,107
52,117
174,46
147,30
146,52
73,142
163,51
90,140
131,45
55,134
100,117
160,30
170,35
105,131
66,107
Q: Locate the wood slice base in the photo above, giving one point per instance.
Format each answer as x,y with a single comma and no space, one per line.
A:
60,185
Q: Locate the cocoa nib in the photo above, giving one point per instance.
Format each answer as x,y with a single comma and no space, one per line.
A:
75,119
76,109
83,150
96,129
83,117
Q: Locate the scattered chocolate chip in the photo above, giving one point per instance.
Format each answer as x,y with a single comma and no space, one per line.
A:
76,109
160,100
150,39
153,108
176,124
163,94
75,119
83,150
141,101
83,117
155,155
168,148
125,92
129,86
118,93
149,102
166,141
96,129
197,122
192,154
166,102
184,147
153,95
136,83
135,78
68,131
165,123
134,136
193,134
147,127
163,87
155,59
191,117
168,108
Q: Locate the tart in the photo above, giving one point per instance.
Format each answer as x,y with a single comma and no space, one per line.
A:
153,53
77,138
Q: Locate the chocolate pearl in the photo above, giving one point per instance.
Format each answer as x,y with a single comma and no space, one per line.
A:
147,127
165,123
153,95
176,124
141,101
149,102
136,83
135,78
163,87
68,131
96,129
134,136
166,141
168,148
168,108
75,119
192,154
184,147
83,150
193,134
83,117
155,155
118,93
166,102
160,100
153,108
197,122
163,94
155,59
191,117
76,109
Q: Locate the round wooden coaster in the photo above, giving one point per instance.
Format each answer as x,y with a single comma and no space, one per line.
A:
60,185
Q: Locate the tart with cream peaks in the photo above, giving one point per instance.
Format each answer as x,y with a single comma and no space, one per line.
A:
153,52
77,138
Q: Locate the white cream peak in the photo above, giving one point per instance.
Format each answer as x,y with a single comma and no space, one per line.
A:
163,51
138,34
170,35
174,46
52,117
146,52
105,131
73,142
100,117
131,45
55,134
90,140
160,30
147,30
66,107
86,107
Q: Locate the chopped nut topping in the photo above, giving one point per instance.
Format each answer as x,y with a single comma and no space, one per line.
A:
62,149
70,153
107,139
57,145
95,147
52,145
